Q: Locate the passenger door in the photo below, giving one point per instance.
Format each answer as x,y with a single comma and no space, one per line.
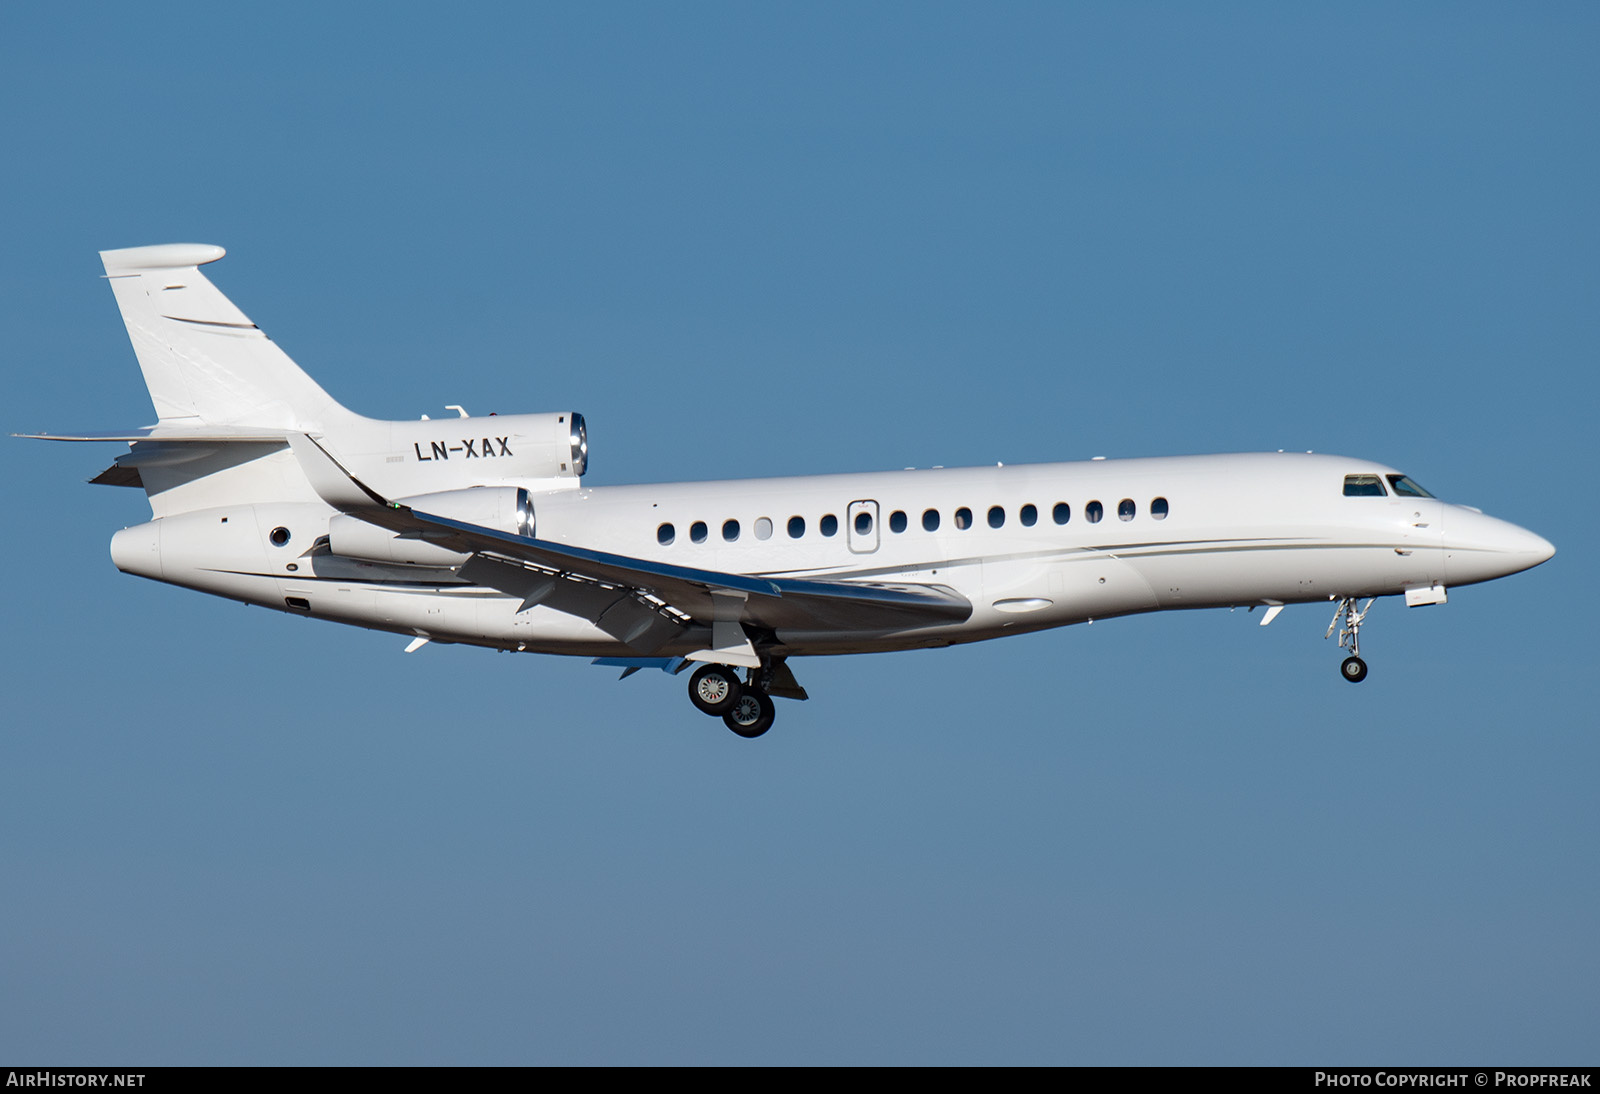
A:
861,527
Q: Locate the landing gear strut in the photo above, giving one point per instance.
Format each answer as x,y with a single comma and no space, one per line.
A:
1352,668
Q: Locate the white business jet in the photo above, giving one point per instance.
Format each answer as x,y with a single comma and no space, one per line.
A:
479,529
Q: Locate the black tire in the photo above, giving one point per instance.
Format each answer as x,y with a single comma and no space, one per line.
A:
714,689
752,715
1353,669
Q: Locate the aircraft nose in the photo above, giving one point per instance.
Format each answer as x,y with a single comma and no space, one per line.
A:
1539,548
1482,548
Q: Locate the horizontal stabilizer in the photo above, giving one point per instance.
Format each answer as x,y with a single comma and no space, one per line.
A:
207,434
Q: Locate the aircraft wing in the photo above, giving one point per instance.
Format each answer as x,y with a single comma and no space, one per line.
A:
643,603
700,595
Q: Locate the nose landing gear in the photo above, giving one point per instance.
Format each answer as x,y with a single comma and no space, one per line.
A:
1352,668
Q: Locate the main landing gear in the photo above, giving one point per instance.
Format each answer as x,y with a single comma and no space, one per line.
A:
714,689
745,708
752,715
1352,668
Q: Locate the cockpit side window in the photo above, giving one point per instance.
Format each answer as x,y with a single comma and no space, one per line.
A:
1405,488
1363,486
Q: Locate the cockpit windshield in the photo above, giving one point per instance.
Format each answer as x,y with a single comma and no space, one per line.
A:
1405,488
1364,486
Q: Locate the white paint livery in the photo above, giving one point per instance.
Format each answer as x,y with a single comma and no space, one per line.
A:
478,530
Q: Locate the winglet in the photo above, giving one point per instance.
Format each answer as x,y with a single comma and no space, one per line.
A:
329,479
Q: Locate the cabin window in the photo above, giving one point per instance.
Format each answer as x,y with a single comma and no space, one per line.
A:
1028,515
930,520
763,528
963,518
730,530
1061,513
1126,509
797,527
897,521
863,523
1158,508
1363,486
666,534
1093,512
1405,488
697,531
829,525
997,516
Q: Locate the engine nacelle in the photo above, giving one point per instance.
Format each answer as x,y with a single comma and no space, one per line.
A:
543,452
518,446
503,508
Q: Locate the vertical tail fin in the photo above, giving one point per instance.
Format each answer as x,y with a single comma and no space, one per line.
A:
204,361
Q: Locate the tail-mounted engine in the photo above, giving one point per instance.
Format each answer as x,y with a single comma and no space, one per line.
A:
503,508
543,451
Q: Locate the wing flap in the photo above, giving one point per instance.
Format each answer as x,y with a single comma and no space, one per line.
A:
617,611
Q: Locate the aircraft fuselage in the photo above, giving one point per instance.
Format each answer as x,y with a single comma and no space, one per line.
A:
1021,543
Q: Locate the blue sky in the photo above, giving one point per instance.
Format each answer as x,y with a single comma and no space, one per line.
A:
753,240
